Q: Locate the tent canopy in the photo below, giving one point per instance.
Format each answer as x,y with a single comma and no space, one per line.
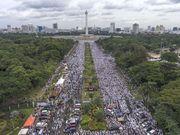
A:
60,82
29,122
23,131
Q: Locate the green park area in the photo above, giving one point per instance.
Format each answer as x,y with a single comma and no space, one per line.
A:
92,107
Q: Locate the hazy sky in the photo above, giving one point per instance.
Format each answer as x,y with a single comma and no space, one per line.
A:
70,13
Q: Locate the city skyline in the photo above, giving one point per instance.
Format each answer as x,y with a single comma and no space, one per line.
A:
69,14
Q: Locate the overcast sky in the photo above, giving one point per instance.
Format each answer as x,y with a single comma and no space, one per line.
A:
70,13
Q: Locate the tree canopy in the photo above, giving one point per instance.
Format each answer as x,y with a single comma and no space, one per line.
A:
27,62
170,57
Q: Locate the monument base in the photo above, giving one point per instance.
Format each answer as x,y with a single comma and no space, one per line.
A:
88,37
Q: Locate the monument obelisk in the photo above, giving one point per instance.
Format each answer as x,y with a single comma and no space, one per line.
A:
86,13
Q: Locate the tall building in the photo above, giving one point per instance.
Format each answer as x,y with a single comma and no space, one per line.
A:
153,29
55,26
175,28
24,29
31,28
40,29
127,30
28,28
112,28
149,28
9,29
135,29
86,21
160,29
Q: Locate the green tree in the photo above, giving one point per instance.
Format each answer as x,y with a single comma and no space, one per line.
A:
86,108
99,115
170,56
26,62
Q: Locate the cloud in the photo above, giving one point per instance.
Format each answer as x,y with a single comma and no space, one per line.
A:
123,6
43,5
173,10
113,6
175,1
99,11
87,5
157,2
107,14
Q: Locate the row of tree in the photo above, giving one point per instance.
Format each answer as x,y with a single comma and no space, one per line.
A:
157,83
26,62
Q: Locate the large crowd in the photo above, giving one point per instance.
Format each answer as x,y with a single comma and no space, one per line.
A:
67,115
124,115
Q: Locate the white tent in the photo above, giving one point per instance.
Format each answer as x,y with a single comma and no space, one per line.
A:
60,82
23,131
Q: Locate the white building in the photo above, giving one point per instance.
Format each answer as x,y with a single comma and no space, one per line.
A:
112,28
28,28
135,29
127,30
160,29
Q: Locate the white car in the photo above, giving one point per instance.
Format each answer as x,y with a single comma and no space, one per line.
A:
151,132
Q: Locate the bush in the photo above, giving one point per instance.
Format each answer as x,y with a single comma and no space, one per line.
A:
170,57
85,121
99,115
86,108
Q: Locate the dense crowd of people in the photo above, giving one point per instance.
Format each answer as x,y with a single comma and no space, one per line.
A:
71,91
117,98
124,115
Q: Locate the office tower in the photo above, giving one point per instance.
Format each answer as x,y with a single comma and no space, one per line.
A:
135,29
9,29
112,28
55,26
28,28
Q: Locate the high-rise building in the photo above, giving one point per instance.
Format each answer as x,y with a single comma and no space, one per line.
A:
55,26
160,29
39,29
112,28
31,28
118,29
153,29
175,28
149,28
127,30
135,29
16,30
24,28
9,29
28,28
